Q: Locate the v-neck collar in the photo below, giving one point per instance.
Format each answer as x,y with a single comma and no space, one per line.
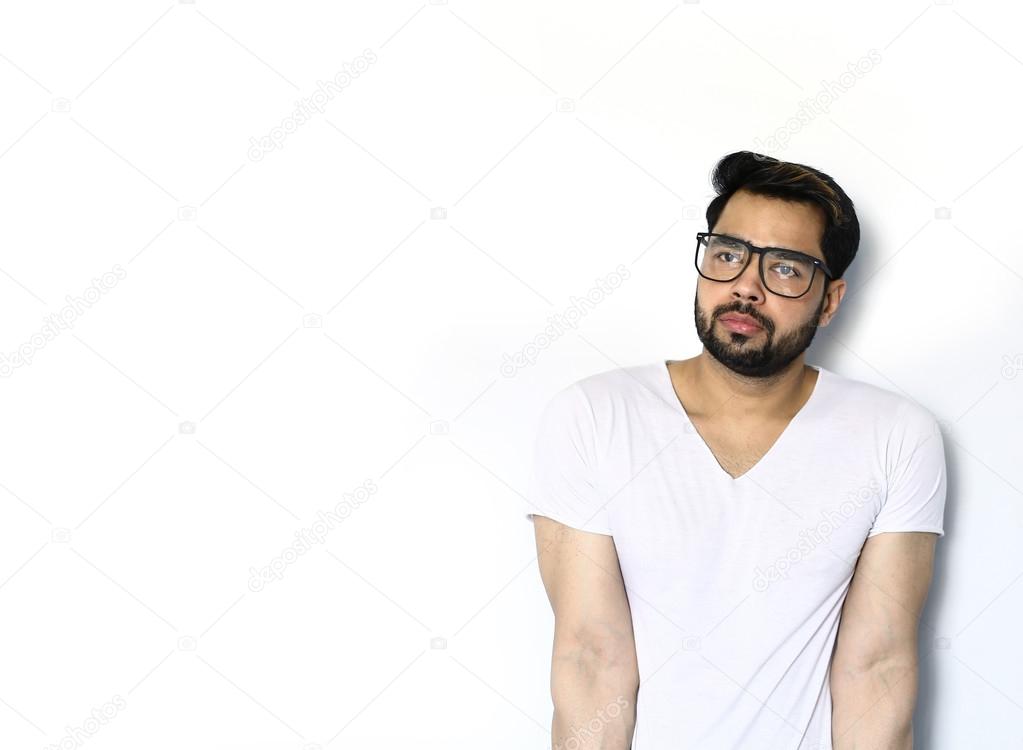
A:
664,377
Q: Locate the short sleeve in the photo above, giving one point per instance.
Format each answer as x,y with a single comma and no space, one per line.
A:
563,484
917,483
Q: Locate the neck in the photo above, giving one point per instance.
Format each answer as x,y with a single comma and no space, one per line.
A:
717,390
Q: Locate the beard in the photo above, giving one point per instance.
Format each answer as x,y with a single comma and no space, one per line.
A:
738,353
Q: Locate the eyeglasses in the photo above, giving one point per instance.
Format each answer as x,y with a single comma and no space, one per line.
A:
787,273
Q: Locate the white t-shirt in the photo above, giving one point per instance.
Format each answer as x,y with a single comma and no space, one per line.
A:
736,586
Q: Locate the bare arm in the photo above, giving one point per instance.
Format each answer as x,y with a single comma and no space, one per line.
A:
874,668
594,675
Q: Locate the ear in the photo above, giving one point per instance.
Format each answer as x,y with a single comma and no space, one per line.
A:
833,298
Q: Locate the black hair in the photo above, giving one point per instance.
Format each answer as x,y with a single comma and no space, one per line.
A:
765,175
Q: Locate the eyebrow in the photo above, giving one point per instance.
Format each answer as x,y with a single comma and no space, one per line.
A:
773,247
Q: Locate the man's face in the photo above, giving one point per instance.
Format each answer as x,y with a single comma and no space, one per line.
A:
787,325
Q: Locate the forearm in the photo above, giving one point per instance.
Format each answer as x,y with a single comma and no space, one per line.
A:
594,703
872,708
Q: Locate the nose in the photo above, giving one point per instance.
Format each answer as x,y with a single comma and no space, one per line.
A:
748,285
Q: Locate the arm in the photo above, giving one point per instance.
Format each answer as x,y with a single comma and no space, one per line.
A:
874,667
594,674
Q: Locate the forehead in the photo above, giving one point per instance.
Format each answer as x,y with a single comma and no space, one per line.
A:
773,222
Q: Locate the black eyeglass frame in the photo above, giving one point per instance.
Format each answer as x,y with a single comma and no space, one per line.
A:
816,262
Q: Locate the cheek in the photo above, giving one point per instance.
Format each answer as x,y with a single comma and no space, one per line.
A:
710,295
797,316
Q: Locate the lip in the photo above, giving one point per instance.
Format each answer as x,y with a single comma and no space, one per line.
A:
740,323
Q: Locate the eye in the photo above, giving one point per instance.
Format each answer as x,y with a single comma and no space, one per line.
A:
786,270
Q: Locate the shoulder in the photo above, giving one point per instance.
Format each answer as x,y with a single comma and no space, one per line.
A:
600,394
894,413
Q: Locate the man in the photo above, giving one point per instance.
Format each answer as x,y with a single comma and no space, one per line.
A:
737,547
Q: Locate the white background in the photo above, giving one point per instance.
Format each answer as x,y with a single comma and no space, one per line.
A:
328,319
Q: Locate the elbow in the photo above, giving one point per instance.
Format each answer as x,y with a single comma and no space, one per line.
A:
605,648
883,690
873,703
599,660
901,660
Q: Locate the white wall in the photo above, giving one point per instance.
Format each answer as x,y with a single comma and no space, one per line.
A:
322,320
